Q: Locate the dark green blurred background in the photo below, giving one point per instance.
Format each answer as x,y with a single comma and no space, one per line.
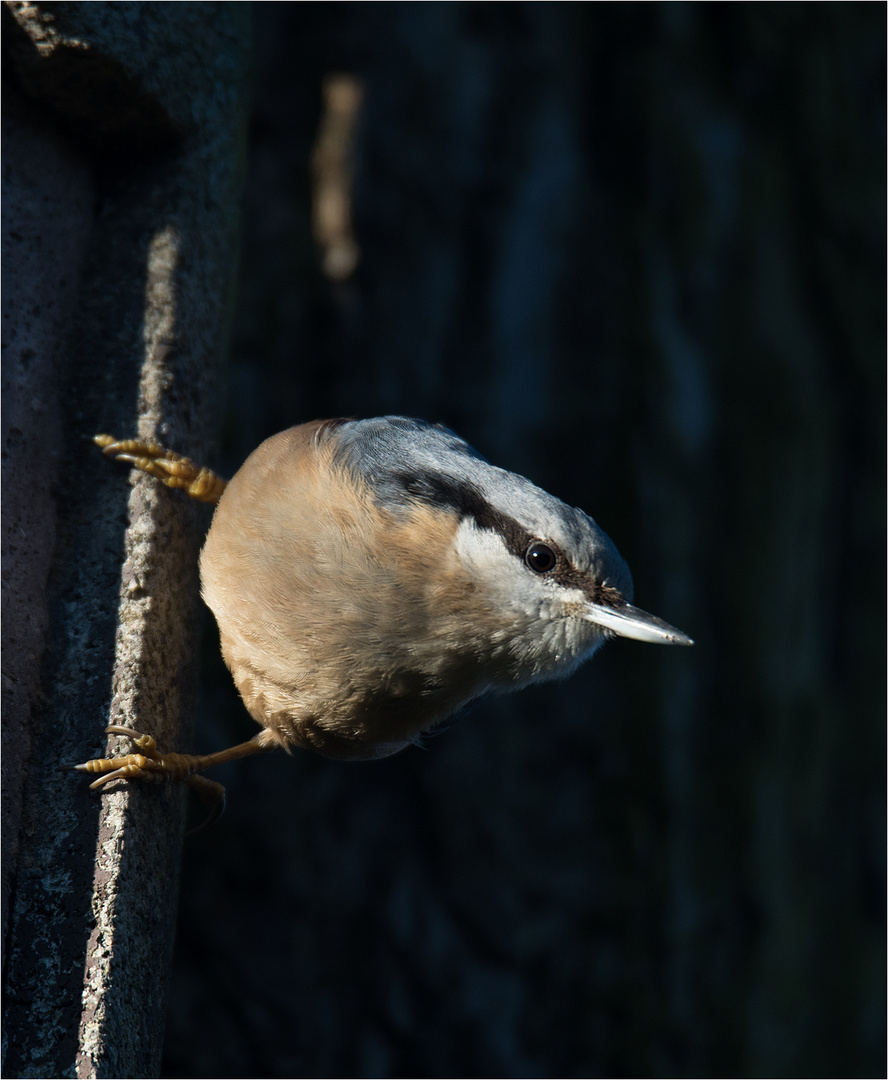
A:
636,252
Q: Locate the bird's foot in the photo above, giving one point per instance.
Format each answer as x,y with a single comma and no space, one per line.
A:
150,766
173,469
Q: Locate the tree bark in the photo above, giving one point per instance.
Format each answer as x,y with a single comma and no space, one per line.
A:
123,133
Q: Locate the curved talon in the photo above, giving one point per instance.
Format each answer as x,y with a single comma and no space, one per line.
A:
113,446
127,767
174,470
145,742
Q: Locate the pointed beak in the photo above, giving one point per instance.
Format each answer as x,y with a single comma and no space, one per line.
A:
632,622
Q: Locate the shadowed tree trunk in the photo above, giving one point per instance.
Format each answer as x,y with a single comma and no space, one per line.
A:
120,200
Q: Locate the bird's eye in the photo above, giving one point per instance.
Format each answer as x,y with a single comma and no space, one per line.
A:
540,558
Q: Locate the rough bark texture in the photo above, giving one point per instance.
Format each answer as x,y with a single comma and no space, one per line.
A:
122,140
635,251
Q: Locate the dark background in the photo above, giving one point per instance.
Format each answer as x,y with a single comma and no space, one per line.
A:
636,252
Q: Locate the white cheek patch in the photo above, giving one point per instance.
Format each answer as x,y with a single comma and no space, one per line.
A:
505,576
482,551
502,575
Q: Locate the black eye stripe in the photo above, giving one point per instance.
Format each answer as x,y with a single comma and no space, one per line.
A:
468,501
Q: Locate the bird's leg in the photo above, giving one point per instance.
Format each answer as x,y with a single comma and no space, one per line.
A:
173,469
151,766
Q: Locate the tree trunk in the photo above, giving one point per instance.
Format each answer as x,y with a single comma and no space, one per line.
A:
122,133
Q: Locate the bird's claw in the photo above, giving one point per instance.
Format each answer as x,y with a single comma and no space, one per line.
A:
153,767
174,470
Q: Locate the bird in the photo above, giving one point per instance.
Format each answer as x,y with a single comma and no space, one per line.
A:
371,578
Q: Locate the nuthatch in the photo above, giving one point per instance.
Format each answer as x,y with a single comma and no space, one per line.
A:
372,577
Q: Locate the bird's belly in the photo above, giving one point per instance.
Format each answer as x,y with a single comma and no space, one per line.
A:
341,711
